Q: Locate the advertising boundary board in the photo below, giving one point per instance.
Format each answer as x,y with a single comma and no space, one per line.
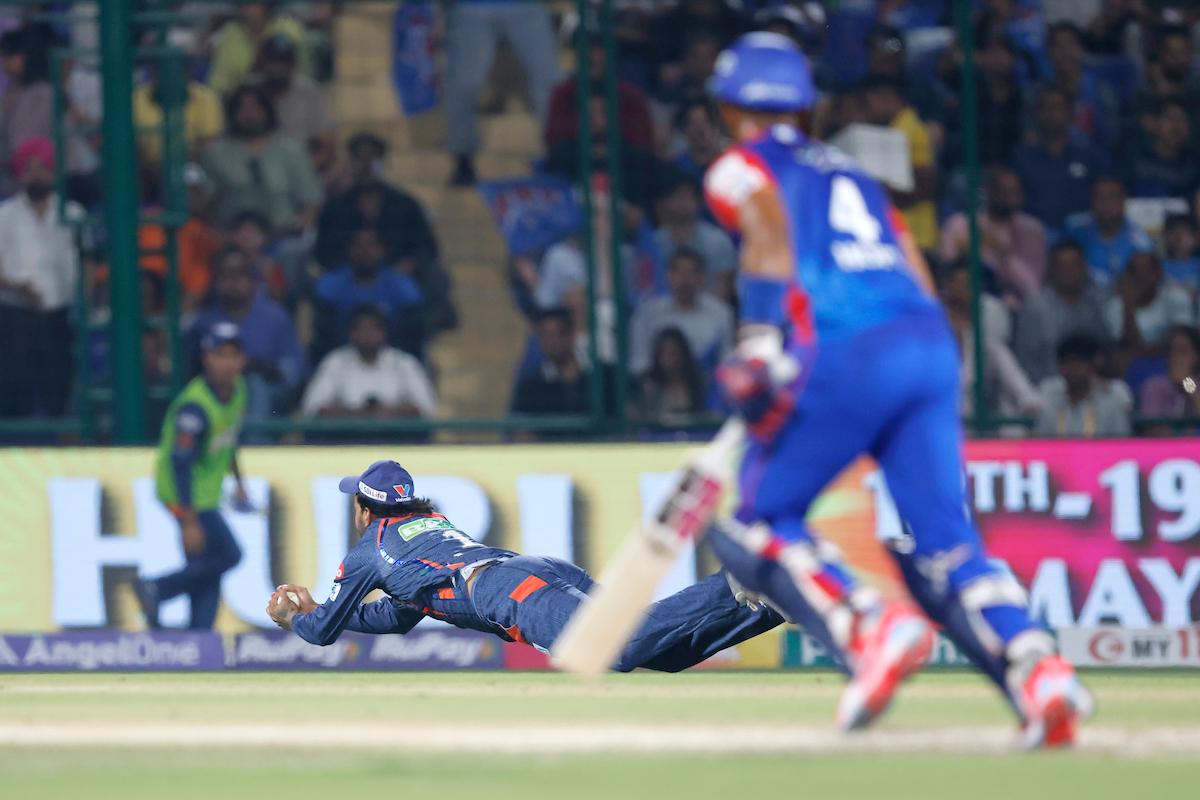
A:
1107,647
1100,532
427,649
111,651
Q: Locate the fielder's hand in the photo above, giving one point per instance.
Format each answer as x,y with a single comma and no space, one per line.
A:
241,501
306,603
281,609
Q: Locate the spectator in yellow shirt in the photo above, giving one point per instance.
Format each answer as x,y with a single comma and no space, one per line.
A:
203,119
236,44
885,105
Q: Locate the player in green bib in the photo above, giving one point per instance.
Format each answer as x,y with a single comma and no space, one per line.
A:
197,447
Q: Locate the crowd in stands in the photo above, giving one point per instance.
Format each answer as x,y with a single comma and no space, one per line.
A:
1087,131
331,273
1088,141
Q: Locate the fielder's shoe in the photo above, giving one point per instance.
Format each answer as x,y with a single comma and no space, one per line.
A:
1053,700
896,645
147,596
743,596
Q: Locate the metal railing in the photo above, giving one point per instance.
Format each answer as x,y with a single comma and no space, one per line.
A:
126,392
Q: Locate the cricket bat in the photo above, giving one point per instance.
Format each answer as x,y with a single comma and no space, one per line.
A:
608,619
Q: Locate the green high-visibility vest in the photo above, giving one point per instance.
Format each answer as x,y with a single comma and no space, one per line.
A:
216,452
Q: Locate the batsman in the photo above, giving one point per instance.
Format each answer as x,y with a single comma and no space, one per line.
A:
429,568
843,350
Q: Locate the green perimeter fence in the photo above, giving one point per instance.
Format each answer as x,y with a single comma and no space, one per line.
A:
117,404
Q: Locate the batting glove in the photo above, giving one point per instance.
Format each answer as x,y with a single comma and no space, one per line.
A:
759,381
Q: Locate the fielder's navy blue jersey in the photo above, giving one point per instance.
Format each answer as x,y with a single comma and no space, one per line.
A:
407,557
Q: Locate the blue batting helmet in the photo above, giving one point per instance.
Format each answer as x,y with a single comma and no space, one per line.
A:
765,72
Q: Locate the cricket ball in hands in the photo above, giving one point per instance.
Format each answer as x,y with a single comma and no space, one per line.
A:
295,598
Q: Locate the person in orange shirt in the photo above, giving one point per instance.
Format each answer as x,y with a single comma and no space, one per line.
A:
197,242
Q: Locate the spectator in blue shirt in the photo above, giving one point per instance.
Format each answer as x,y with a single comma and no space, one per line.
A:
1163,164
1020,23
1094,104
275,360
1169,74
1107,237
699,128
1056,168
369,277
1180,259
680,225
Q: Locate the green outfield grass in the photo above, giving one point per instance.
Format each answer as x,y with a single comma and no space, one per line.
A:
386,735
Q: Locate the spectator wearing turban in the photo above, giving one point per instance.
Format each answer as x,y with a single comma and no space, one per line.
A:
39,271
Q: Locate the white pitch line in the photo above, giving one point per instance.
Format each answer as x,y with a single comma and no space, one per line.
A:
559,739
400,688
597,691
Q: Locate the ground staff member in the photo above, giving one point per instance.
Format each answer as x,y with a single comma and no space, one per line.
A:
196,449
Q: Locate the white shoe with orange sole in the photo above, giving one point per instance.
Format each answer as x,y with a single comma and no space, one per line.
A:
897,645
1054,701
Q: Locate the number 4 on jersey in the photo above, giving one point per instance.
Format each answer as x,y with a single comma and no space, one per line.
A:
848,212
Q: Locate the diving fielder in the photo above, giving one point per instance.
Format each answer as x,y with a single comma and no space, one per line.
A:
429,568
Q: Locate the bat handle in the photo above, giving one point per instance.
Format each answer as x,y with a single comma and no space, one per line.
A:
714,458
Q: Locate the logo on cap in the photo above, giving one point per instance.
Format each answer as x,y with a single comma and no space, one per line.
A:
403,490
374,494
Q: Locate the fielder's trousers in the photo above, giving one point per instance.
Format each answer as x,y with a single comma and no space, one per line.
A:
532,598
200,578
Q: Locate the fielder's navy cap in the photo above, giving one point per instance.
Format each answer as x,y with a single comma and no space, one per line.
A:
764,71
384,482
221,333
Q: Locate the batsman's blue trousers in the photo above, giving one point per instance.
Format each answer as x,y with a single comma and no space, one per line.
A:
532,598
891,392
200,578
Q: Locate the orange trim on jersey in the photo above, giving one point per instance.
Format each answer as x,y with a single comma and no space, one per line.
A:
433,564
799,311
456,565
515,634
918,268
446,594
526,588
403,517
896,220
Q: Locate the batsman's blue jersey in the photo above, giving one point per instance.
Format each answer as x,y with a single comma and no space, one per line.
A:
852,274
882,378
409,558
